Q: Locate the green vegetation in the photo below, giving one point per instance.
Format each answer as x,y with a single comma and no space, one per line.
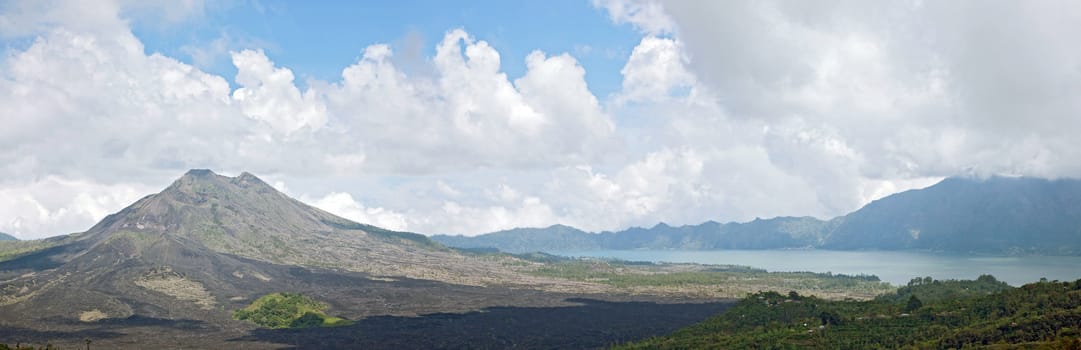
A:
288,310
927,289
724,280
543,258
14,249
927,315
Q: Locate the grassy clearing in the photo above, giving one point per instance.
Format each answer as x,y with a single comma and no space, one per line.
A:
13,249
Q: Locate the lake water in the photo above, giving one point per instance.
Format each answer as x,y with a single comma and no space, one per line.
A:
894,267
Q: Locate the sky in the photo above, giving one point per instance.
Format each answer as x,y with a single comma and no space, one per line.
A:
466,118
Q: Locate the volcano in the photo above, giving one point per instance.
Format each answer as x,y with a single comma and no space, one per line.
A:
208,243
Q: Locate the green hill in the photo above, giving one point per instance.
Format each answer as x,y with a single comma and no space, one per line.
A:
955,314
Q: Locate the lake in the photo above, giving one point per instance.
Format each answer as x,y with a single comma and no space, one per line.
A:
891,266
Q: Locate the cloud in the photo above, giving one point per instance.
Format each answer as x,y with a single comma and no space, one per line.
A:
93,106
472,220
24,18
647,16
86,105
727,111
468,114
916,89
102,104
500,207
55,205
844,101
267,94
656,67
343,204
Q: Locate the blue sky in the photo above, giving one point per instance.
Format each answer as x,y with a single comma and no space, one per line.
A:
318,39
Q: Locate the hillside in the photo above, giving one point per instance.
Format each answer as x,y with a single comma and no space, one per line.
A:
925,315
7,237
208,241
997,215
1011,215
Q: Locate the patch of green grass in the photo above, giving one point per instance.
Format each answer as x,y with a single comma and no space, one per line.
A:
13,249
288,310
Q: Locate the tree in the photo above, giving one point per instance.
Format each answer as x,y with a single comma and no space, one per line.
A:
829,318
308,320
913,303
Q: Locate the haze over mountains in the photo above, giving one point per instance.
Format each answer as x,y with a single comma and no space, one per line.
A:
7,237
999,215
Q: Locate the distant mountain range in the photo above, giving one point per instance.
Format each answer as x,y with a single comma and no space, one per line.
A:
997,215
7,237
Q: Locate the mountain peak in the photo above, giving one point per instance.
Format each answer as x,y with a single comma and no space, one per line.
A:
239,215
197,176
246,180
200,180
199,173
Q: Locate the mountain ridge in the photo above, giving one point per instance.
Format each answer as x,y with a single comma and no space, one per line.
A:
944,217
